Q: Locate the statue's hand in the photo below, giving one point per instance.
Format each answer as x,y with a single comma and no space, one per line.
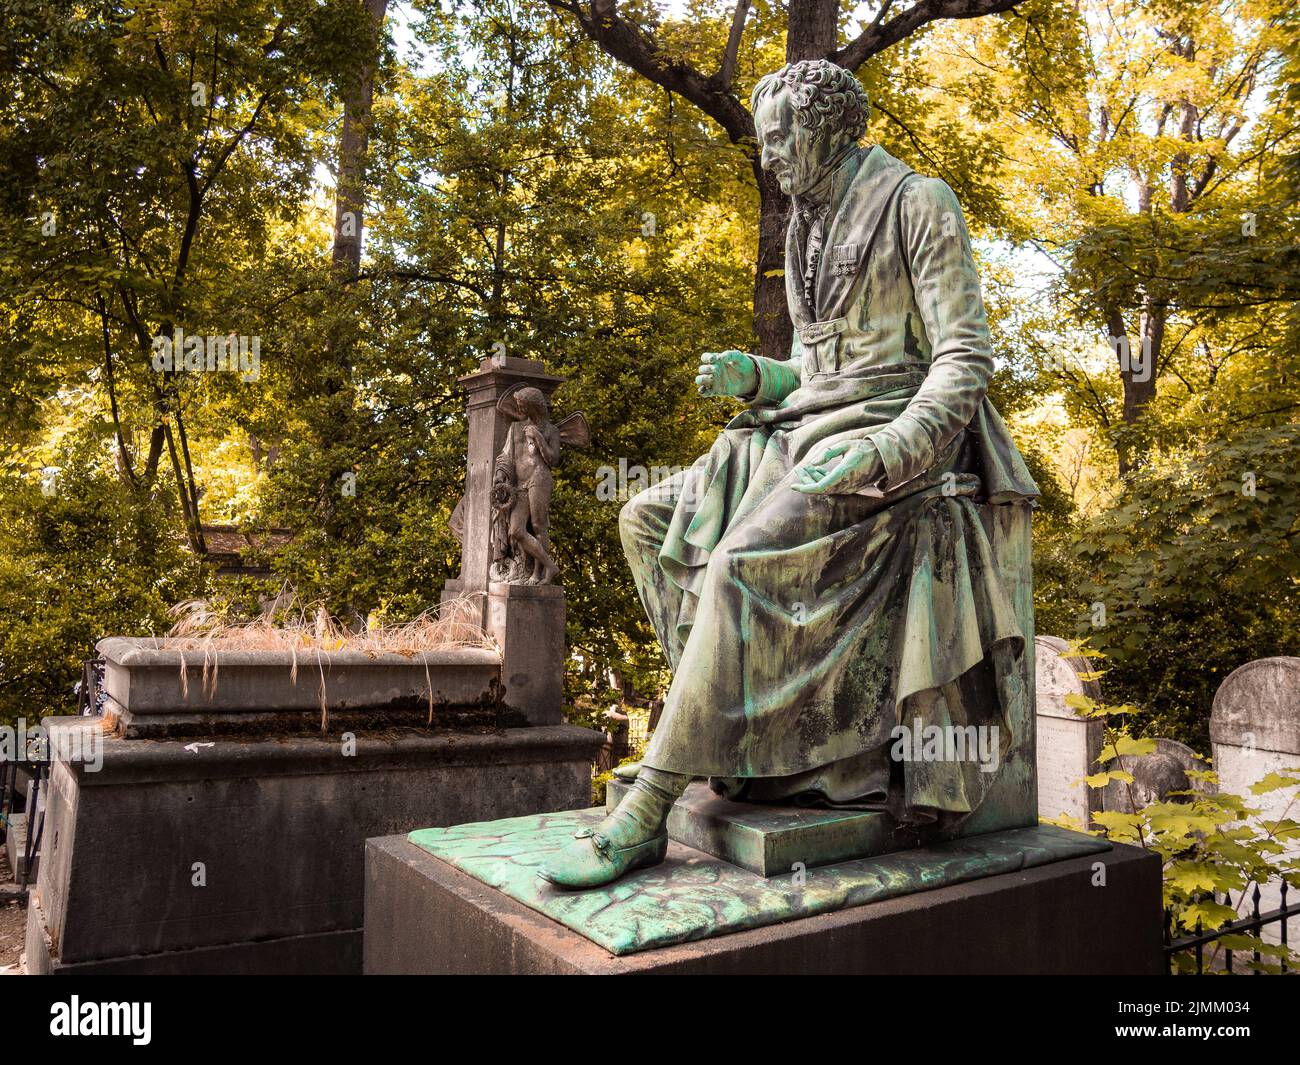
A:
843,468
726,373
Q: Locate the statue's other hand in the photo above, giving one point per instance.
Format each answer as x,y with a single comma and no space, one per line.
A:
843,468
726,373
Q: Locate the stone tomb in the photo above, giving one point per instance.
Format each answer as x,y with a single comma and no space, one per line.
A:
225,833
246,855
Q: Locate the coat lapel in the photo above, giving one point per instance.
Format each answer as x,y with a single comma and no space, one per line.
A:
800,313
854,222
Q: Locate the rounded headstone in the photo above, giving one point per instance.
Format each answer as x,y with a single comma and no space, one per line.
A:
1155,777
1067,745
1258,706
1057,673
1255,726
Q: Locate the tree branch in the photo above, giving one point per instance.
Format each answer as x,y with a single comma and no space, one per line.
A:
728,71
879,36
637,48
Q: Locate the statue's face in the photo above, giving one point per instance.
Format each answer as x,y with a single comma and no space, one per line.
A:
790,152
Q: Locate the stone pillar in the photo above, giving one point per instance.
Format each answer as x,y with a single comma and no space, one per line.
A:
487,433
527,621
1255,729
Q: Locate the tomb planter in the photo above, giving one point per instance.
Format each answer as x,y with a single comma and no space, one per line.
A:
155,689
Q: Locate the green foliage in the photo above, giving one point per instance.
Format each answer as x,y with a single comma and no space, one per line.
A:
1198,571
527,194
1213,845
81,557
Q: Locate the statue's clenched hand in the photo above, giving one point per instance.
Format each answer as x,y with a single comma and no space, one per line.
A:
843,468
726,373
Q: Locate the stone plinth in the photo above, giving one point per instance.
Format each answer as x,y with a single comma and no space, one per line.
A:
247,856
1021,901
528,623
698,896
770,840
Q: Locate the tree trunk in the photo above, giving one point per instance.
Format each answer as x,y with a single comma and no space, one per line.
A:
812,33
772,325
333,428
812,30
1137,377
354,143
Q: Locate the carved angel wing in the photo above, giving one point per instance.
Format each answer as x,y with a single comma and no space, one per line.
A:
506,404
574,430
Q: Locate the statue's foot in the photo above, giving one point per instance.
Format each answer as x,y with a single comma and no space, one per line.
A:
598,857
627,772
632,837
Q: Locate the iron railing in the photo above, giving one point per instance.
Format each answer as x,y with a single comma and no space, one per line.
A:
33,810
90,699
1251,925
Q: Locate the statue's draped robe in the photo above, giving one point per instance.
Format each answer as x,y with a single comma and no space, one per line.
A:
803,628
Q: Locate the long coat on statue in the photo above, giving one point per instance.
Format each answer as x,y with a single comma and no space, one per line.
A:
802,629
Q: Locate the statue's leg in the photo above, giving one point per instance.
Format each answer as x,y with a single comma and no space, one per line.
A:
643,526
539,505
536,561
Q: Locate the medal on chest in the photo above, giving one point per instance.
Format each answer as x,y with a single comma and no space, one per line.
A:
844,258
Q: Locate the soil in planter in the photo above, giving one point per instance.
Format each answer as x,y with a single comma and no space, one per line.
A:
411,712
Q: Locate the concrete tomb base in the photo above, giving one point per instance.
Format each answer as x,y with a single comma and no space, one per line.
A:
247,856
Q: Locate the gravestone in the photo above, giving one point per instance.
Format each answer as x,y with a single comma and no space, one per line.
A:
1255,728
1068,745
1157,777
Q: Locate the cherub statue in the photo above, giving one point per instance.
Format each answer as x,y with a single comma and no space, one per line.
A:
522,484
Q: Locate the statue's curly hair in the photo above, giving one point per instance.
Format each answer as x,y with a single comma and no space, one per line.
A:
826,97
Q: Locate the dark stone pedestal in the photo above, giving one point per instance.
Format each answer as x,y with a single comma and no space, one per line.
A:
247,856
424,915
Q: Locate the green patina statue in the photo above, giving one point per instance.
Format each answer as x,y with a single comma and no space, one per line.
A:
852,555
